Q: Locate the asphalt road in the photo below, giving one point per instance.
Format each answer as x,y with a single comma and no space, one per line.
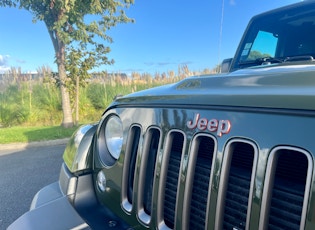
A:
22,173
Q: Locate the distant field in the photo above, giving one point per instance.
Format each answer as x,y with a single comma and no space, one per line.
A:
27,100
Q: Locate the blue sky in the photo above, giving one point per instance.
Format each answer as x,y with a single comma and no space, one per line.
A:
166,34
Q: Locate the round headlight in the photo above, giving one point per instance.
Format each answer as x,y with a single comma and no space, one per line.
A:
114,136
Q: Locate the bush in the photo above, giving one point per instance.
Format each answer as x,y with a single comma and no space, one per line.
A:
47,97
46,104
96,93
11,115
13,110
29,101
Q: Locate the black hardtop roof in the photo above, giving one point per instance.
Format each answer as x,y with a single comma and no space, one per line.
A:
305,3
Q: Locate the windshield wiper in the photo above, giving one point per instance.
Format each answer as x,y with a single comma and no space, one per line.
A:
261,61
299,58
270,60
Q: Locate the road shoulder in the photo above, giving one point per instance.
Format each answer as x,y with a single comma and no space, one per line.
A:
33,144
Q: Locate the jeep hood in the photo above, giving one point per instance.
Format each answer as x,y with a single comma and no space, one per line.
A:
282,87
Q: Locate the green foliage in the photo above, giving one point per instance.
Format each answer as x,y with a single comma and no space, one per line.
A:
254,55
46,104
78,42
96,93
13,110
27,103
87,111
47,97
36,102
101,95
13,115
34,133
40,103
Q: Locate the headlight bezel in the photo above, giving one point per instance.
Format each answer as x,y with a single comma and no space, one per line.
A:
109,140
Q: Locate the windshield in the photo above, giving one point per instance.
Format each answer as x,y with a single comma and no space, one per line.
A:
278,37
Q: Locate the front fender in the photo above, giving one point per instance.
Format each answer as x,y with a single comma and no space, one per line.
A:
77,153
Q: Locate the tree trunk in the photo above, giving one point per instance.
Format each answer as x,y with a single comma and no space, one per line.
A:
67,120
60,48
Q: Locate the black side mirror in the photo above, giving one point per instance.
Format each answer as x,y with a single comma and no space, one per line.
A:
226,65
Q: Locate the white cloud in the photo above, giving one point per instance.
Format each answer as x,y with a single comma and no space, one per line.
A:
4,63
4,59
4,69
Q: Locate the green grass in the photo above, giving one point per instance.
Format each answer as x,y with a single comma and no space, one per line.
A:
30,134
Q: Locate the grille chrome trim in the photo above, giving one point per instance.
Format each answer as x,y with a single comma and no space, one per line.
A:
224,180
163,177
143,215
150,213
131,152
191,167
269,181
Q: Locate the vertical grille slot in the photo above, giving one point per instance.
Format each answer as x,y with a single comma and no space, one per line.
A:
287,183
236,184
176,143
135,136
154,136
147,174
129,167
204,147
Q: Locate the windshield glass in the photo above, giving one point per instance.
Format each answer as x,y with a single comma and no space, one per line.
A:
277,37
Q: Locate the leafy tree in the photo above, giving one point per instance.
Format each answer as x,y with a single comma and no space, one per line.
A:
77,64
72,32
254,54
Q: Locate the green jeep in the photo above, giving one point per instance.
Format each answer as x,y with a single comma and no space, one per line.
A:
229,151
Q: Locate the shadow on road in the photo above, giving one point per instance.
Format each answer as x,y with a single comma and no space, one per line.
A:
22,173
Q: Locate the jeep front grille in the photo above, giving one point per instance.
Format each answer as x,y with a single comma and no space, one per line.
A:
172,181
176,141
236,185
134,144
286,189
203,149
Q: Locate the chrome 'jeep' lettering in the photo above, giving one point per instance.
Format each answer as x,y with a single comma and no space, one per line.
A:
213,125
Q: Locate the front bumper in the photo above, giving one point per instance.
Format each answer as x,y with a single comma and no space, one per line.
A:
69,203
51,207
